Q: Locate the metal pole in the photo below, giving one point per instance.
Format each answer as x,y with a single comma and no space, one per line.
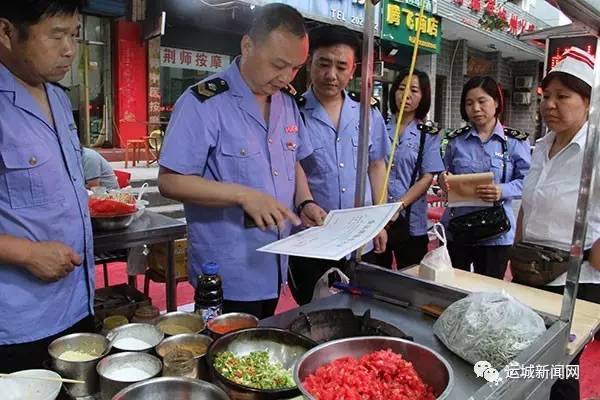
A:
366,90
588,172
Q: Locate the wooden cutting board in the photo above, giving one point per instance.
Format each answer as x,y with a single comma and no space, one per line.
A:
586,319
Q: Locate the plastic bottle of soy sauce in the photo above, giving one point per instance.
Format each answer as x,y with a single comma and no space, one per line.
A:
208,297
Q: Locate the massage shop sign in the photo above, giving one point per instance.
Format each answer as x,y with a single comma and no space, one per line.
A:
401,21
190,59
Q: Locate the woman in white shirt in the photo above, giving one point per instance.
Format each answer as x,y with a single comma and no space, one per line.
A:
551,188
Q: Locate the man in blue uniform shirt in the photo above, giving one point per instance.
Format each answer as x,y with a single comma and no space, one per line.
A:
46,252
332,118
231,156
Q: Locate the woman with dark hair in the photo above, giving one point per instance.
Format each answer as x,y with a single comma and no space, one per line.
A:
551,188
484,145
415,161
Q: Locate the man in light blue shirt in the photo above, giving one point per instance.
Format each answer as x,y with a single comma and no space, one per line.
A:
97,171
332,117
46,251
231,155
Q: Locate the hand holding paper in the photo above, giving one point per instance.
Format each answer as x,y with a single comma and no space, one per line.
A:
463,189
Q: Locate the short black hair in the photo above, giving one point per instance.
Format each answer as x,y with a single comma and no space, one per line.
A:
273,16
572,82
332,35
424,84
24,13
488,85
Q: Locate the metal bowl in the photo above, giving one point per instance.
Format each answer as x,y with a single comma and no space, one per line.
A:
88,343
179,322
434,370
46,388
113,223
172,388
230,322
112,371
144,332
284,347
188,341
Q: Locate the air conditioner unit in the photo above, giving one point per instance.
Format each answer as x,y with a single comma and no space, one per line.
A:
523,98
523,82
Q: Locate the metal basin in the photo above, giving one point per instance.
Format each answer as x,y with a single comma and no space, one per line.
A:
120,370
170,389
230,322
197,344
284,347
147,333
113,223
434,370
179,322
87,343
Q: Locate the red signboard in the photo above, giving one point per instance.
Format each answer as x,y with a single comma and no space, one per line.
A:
131,74
557,46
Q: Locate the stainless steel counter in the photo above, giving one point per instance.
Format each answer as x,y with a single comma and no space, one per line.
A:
412,322
149,228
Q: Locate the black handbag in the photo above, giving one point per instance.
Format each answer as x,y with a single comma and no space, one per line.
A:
399,230
484,224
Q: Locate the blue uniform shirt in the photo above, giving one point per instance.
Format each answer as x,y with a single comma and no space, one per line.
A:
224,138
405,160
42,198
467,154
331,168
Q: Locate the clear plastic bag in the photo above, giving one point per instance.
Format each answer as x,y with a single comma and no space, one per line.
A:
322,288
436,264
492,327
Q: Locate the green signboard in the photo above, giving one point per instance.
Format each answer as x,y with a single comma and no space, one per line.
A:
400,22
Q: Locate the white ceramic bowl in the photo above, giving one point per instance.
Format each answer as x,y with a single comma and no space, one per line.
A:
31,389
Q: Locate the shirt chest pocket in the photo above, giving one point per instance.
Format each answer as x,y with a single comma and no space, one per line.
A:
466,166
242,162
498,169
32,176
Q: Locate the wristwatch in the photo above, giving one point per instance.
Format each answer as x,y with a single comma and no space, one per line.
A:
304,204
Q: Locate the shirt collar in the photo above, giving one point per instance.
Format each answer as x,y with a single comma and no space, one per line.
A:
7,79
497,131
235,81
581,136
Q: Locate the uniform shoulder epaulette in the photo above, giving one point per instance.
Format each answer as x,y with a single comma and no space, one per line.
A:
429,128
63,87
356,97
516,134
290,90
459,131
207,89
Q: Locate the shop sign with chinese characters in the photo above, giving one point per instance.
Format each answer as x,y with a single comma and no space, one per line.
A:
400,23
190,59
513,23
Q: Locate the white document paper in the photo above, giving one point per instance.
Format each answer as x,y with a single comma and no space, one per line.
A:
342,232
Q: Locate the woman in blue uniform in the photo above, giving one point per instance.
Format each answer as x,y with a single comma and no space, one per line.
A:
415,161
485,145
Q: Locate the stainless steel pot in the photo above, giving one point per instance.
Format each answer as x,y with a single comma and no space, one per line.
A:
188,341
144,332
89,343
115,371
169,323
171,388
432,368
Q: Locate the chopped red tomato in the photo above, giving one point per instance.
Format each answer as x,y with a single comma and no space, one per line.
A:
382,375
109,208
